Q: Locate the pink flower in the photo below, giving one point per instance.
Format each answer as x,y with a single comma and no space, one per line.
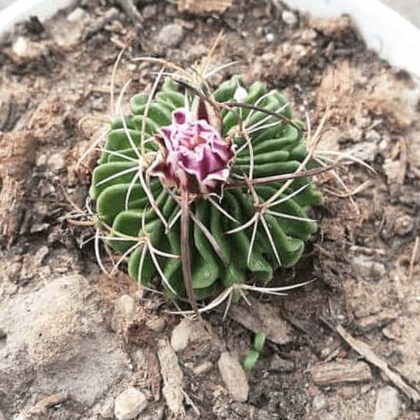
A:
194,156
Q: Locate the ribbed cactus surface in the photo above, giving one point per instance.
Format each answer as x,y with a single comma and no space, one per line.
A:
139,211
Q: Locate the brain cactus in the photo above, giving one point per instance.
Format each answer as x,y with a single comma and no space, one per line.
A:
228,156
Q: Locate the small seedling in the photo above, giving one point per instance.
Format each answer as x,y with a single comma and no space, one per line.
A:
259,341
252,356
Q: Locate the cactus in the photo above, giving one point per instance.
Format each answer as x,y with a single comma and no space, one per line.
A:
238,162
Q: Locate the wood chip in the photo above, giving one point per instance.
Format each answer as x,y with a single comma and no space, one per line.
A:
172,378
367,353
344,371
379,320
41,407
204,7
413,258
17,151
262,317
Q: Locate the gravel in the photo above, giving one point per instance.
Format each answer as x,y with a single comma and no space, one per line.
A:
129,404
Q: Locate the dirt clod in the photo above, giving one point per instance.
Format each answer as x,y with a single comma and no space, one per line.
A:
170,35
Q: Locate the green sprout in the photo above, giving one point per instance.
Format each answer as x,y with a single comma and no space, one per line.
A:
252,357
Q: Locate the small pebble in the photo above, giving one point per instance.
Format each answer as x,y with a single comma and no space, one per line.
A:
281,365
368,268
124,311
355,134
365,151
270,37
387,404
289,18
149,11
373,135
77,15
129,404
203,368
319,402
156,324
181,335
170,35
404,225
234,377
41,160
258,12
56,162
24,48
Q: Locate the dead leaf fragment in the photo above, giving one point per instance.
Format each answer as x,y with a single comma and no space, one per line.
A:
17,151
366,352
262,317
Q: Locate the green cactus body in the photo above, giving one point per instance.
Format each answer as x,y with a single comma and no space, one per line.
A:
123,205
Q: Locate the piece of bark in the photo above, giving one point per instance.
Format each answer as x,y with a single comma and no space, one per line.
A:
379,320
41,407
17,151
369,355
153,373
172,378
262,317
340,372
204,7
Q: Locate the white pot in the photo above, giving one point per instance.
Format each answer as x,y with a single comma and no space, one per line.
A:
385,31
19,10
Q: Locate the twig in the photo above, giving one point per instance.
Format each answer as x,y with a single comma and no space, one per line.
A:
403,160
367,353
413,258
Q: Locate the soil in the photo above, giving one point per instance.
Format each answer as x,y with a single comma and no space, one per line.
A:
72,339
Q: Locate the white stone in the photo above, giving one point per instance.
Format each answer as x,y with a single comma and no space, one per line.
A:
77,15
270,37
56,162
170,35
24,48
234,377
387,404
181,335
126,307
203,368
289,18
41,159
129,404
124,312
319,402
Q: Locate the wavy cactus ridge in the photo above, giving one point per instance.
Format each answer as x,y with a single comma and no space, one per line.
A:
136,230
